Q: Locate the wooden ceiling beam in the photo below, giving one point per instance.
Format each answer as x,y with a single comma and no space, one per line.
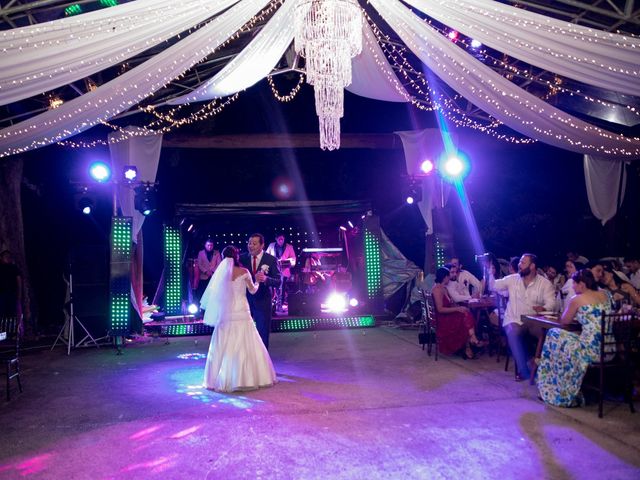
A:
376,141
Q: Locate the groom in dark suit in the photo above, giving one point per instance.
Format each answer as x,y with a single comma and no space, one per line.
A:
264,270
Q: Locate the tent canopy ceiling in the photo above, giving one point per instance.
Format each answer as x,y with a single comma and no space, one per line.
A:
609,109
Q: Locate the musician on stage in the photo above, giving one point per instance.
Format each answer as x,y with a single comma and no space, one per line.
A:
286,257
208,261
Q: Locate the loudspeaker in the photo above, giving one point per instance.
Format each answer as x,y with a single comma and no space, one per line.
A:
304,304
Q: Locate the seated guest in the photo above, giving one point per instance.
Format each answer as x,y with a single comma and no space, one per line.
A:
566,355
621,291
632,265
557,281
513,265
529,293
455,324
597,268
466,278
458,291
567,291
576,257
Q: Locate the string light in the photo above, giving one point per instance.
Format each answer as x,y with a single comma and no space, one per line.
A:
292,93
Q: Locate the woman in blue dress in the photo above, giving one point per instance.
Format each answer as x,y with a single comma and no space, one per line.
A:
566,355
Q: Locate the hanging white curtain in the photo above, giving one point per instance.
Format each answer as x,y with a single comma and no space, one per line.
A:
508,103
251,65
128,89
604,186
142,150
420,145
371,74
46,56
602,59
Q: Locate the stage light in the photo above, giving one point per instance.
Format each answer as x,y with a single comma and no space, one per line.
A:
100,172
426,167
336,302
453,35
353,302
475,43
190,227
282,188
86,205
454,168
130,173
145,199
412,193
343,228
192,309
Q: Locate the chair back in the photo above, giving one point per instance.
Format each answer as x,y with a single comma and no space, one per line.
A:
429,306
10,335
616,336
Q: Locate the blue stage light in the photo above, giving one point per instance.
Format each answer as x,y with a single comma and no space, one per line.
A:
100,171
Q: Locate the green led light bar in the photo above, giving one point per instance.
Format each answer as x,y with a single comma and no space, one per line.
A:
317,323
108,3
120,275
372,264
172,270
72,10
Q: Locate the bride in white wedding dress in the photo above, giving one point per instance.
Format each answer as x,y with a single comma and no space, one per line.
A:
237,359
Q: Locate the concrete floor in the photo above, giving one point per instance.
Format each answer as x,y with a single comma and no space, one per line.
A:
351,404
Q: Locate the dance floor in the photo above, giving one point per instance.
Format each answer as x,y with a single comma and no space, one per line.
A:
350,404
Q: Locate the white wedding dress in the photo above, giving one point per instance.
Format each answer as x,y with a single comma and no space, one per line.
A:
237,359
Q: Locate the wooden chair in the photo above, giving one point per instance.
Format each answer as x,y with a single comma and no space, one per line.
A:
10,332
430,327
616,330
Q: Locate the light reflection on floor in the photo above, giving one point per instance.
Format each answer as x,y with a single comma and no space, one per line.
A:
189,382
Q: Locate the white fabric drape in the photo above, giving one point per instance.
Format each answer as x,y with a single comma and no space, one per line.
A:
602,178
141,150
252,64
129,88
418,146
217,299
371,74
43,57
602,59
497,96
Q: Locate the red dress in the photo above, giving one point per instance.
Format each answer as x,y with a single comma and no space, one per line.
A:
453,328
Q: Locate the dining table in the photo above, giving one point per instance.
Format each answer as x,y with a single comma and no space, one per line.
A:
546,321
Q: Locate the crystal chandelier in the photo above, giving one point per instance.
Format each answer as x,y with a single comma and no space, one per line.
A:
328,34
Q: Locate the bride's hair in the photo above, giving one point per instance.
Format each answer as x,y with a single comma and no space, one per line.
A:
231,252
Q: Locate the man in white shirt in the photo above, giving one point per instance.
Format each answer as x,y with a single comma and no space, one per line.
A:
467,278
529,293
632,264
458,291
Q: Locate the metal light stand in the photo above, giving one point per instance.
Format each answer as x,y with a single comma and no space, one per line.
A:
70,327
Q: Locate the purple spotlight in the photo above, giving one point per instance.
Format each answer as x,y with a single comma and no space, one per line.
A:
343,228
130,173
410,200
354,302
426,167
282,188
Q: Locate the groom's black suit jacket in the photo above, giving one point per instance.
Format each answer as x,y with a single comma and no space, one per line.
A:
260,302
